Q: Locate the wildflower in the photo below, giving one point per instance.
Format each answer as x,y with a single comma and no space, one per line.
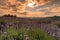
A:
5,32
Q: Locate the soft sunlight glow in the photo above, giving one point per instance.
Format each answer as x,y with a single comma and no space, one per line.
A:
31,4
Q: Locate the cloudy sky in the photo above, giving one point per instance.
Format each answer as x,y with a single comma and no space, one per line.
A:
30,8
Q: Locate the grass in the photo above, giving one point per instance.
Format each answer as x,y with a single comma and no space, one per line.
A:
21,33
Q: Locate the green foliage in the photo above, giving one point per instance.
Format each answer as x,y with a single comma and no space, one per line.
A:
18,34
58,25
2,21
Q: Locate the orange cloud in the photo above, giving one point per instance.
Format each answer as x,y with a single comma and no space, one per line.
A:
56,10
12,1
20,8
43,2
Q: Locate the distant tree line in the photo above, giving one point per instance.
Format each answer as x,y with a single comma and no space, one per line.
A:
9,15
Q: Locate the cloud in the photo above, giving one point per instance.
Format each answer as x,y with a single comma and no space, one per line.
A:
19,8
2,2
23,1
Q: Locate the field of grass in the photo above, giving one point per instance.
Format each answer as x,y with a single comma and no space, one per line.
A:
13,28
24,33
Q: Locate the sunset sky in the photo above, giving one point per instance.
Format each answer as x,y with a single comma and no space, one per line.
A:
30,8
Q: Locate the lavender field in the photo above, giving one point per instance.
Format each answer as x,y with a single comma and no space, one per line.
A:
14,28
